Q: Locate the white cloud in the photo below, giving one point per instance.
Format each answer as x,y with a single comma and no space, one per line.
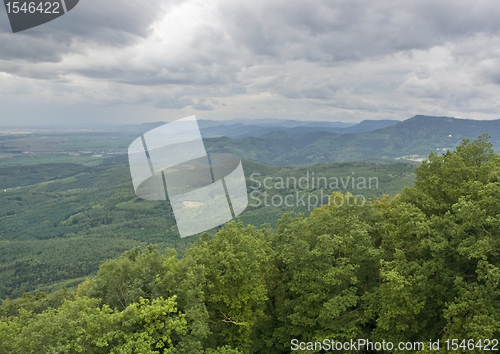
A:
347,60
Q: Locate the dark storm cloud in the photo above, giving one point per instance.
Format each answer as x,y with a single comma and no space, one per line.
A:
333,31
326,31
340,56
112,23
31,48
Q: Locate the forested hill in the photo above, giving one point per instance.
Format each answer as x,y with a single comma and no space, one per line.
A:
292,143
58,222
241,128
412,139
422,266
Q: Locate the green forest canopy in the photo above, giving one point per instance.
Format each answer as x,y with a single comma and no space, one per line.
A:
59,222
424,265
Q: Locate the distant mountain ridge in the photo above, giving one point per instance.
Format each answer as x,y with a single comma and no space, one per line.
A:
237,129
282,142
411,139
245,127
265,122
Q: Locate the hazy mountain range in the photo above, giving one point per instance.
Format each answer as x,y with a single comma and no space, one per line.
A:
288,142
259,127
283,142
246,127
412,139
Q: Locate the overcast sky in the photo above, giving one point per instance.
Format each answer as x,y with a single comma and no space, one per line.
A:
130,61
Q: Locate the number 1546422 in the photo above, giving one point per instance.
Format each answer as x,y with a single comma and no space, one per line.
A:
31,7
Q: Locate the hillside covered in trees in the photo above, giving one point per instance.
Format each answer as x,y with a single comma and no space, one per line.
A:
424,265
59,222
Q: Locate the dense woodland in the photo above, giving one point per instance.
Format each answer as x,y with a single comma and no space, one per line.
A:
423,265
59,222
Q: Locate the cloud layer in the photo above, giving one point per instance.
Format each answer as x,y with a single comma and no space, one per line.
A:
340,60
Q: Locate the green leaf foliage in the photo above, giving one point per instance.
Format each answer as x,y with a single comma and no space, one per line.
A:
424,265
81,326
